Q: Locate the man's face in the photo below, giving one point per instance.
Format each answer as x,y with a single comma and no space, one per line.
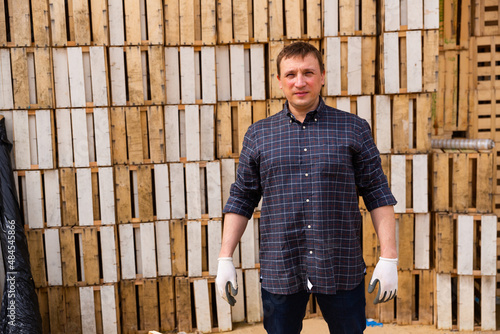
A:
301,81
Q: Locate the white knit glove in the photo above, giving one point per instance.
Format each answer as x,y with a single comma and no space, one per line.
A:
226,280
386,273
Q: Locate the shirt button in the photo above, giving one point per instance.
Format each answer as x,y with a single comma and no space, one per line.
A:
305,150
308,226
310,252
315,119
290,121
303,127
306,174
307,200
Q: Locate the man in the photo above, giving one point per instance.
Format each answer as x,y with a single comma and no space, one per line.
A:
308,163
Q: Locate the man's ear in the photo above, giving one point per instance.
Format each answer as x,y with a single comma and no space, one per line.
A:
279,81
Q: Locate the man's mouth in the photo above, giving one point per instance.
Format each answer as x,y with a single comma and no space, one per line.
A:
300,93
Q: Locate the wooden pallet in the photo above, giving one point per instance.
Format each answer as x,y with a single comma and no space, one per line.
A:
33,136
455,24
21,28
409,15
242,21
484,62
414,304
462,182
402,125
232,122
486,16
80,77
80,309
350,65
294,19
32,86
346,18
240,72
402,71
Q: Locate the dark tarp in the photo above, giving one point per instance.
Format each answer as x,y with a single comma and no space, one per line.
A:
20,313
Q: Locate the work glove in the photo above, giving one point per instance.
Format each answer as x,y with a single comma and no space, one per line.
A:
386,274
226,280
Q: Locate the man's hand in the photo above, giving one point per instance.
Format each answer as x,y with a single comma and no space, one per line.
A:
226,280
386,274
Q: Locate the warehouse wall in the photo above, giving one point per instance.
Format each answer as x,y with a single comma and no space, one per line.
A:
127,119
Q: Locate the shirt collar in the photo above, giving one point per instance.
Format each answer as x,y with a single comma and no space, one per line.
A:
313,114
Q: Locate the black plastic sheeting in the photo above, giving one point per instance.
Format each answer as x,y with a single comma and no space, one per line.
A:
20,312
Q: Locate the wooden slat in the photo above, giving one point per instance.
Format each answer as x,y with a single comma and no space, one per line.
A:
400,124
426,299
422,241
68,257
67,178
148,250
430,62
202,305
404,297
252,288
238,310
183,304
109,307
145,193
465,229
214,189
488,307
167,299
414,60
192,114
398,182
177,191
80,138
178,247
465,293
57,309
37,257
109,254
52,202
405,225
127,251
87,309
260,17
484,185
122,194
128,306
193,190
163,248
420,184
443,301
444,243
391,63
488,245
6,94
117,76
34,199
275,9
187,31
90,255
207,132
333,65
162,192
224,138
460,185
194,248
84,193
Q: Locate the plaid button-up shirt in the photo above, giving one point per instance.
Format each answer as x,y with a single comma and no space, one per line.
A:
309,175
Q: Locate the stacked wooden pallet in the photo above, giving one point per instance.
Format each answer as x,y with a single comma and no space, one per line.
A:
127,120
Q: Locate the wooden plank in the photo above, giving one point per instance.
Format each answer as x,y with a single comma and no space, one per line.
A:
100,22
257,68
44,139
276,24
186,14
488,307
52,202
43,72
333,64
465,232
228,176
118,136
177,190
214,230
61,75
238,310
391,63
172,28
57,310
122,194
209,86
214,189
223,73
87,308
431,14
156,74
237,72
192,132
404,297
405,226
260,20
207,133
460,185
426,296
252,300
127,251
368,55
145,193
34,199
102,136
392,15
488,245
465,302
484,179
202,305
183,304
136,93
193,190
37,257
110,323
148,307
69,204
194,252
68,257
163,248
117,76
443,301
244,121
172,136
208,22
444,243
346,17
41,30
6,94
76,77
440,182
19,70
135,144
224,313
128,305
400,123
99,76
178,247
224,130
422,241
84,193
414,60
162,192
167,302
187,75
398,182
148,250
116,24
80,137
81,22
430,60
90,255
331,10
426,105
109,254
21,139
225,21
172,75
247,244
293,19
354,65
420,184
58,23
415,10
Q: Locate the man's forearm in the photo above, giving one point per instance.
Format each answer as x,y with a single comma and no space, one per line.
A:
385,225
234,226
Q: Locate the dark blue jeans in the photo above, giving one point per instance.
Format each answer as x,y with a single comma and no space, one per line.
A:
344,312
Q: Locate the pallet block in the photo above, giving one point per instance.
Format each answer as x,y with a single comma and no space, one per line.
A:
452,104
410,15
32,72
293,19
190,22
80,77
350,66
409,183
467,177
486,15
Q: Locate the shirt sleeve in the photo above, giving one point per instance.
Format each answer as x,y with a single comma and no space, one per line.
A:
245,192
370,178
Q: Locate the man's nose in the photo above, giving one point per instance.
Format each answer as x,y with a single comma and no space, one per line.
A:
300,80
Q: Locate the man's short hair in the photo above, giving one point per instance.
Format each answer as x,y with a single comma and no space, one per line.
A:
299,49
